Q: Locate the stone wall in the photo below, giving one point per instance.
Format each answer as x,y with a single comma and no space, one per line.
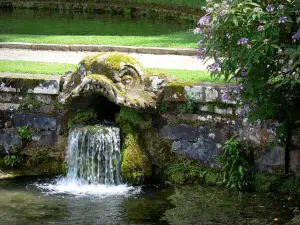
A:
193,118
30,101
198,122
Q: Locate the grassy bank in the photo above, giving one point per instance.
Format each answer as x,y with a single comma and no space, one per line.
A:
174,4
61,68
54,27
177,40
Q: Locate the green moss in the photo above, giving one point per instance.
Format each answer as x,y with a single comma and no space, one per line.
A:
264,182
139,121
82,117
135,166
213,177
184,173
29,100
89,60
114,60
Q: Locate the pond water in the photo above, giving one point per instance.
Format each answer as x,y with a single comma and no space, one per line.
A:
46,201
35,22
43,201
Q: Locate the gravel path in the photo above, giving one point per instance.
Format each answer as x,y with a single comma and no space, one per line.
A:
148,60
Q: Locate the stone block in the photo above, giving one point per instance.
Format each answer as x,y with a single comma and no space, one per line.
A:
295,162
223,111
270,161
9,141
9,106
179,132
34,83
42,122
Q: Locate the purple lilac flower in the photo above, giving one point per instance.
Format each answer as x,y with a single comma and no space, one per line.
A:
223,12
296,36
200,42
242,41
286,70
217,5
225,97
225,4
209,10
204,20
197,30
270,8
257,9
244,73
260,28
201,52
214,67
282,19
228,35
271,127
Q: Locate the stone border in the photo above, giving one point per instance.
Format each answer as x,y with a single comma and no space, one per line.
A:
101,48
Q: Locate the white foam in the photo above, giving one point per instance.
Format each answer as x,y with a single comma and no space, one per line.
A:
82,188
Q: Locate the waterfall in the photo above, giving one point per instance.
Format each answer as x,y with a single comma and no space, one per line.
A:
93,164
93,155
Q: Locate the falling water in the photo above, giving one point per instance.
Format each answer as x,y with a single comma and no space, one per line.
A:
93,164
93,154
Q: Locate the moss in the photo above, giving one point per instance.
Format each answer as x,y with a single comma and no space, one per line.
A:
213,177
139,121
114,60
135,166
184,173
264,182
82,117
88,61
45,161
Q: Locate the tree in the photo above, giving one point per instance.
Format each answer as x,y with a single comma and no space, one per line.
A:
256,43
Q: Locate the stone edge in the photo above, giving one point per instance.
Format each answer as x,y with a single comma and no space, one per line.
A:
100,48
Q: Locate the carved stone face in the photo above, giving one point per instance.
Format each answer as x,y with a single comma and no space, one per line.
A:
119,77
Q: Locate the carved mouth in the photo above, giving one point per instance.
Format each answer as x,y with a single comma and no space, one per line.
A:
131,98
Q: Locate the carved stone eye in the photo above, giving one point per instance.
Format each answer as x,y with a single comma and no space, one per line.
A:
127,79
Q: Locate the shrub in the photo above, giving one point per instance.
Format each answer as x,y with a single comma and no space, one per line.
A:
256,43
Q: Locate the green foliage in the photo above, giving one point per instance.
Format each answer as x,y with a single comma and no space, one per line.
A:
11,160
142,122
24,133
184,172
163,107
258,43
234,166
189,106
82,117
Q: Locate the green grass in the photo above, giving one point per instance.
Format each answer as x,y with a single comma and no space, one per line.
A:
178,40
79,28
181,4
19,66
60,68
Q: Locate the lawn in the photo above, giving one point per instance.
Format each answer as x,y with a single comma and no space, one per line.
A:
61,68
78,28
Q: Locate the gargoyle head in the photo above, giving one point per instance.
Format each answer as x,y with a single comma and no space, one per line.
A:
119,77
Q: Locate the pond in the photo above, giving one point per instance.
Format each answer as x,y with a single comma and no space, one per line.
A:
43,201
91,28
